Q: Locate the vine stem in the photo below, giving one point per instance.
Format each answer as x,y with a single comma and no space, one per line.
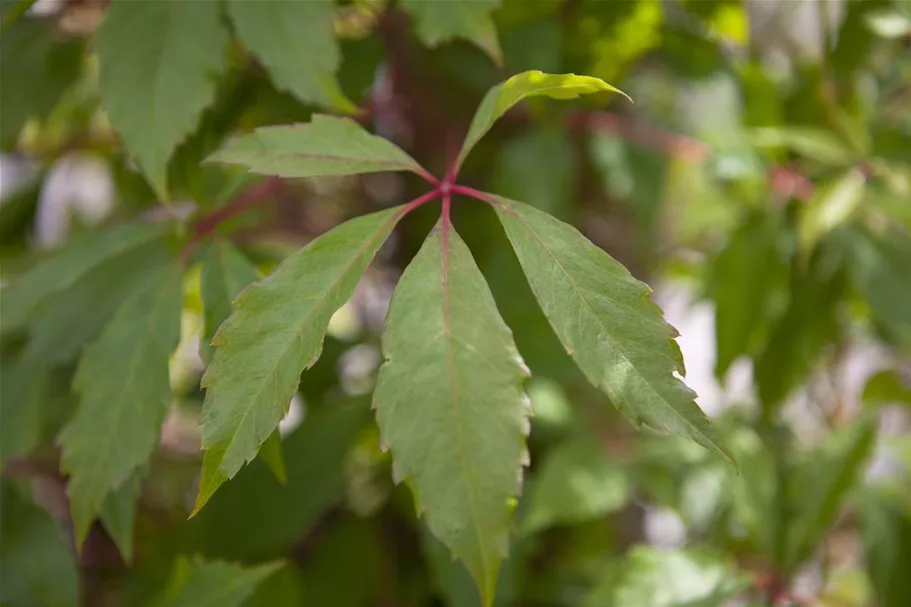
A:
476,194
420,200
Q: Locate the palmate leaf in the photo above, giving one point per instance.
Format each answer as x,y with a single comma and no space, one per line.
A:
437,21
328,145
450,403
295,40
276,331
607,323
124,390
157,67
502,97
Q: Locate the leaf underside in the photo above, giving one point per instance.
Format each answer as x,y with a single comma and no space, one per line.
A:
607,323
275,331
438,22
450,403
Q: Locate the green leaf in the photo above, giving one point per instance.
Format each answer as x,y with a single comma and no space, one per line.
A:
64,268
815,144
22,394
328,145
879,266
669,578
576,483
68,320
887,387
534,83
800,337
118,513
747,274
267,518
437,21
886,532
832,205
819,486
157,67
607,323
450,404
37,565
195,582
295,40
35,71
124,391
276,331
225,273
271,452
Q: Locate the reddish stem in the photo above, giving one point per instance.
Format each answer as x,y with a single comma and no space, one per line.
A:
476,194
426,176
426,197
252,196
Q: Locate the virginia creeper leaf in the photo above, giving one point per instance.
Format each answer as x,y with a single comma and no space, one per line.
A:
451,406
576,483
276,331
328,145
22,384
437,21
122,380
37,565
832,205
880,266
607,323
267,518
225,273
502,97
61,270
886,532
747,273
195,582
157,67
295,40
669,578
35,70
813,143
118,513
821,484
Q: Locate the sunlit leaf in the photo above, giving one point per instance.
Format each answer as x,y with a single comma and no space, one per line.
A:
887,387
607,323
668,578
451,406
196,582
157,67
832,205
124,392
437,21
328,145
502,97
295,40
275,331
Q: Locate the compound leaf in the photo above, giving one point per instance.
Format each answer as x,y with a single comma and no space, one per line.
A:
534,83
327,145
451,406
437,21
295,40
157,67
607,323
124,387
275,331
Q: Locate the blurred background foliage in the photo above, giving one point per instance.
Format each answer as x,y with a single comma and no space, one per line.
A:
761,183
